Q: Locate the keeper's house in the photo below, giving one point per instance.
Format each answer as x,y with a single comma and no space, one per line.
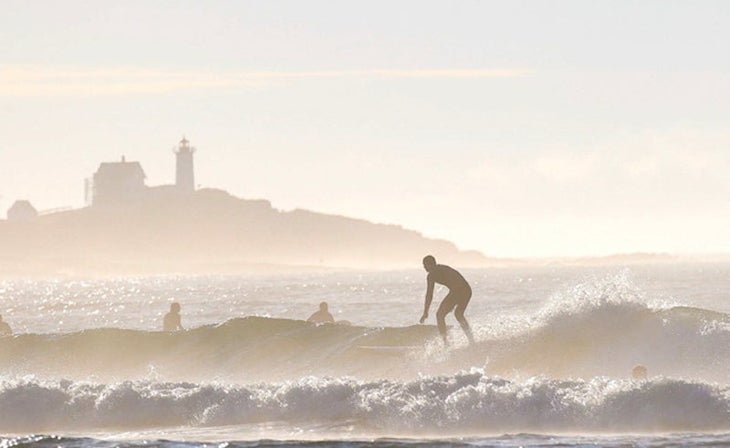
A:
118,183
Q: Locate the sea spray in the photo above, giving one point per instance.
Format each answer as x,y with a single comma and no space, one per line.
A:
605,327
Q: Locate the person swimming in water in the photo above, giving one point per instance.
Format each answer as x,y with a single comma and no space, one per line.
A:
171,321
322,315
639,372
456,300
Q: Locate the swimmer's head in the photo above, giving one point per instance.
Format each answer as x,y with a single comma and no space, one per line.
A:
639,372
175,307
323,306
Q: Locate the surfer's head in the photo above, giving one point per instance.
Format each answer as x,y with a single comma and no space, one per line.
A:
429,262
323,306
175,307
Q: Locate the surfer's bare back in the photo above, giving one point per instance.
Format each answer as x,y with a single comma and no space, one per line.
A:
458,296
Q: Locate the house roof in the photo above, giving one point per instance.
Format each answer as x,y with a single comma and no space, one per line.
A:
22,204
120,169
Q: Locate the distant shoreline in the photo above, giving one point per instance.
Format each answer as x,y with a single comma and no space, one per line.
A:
210,232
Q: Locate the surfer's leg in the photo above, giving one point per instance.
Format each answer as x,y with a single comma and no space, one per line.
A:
445,308
461,303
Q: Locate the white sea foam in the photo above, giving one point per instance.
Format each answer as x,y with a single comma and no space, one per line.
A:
469,402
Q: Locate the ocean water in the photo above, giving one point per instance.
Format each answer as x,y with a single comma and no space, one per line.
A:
88,365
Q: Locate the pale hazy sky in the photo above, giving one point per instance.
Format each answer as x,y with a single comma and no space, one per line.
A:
518,128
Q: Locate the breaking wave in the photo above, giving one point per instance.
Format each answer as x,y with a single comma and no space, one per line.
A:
598,337
462,403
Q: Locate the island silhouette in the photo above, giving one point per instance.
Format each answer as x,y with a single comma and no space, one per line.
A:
129,227
209,231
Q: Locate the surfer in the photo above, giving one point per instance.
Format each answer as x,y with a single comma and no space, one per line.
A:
5,329
171,321
323,315
457,298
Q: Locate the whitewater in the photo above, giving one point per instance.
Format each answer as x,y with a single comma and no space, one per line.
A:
88,365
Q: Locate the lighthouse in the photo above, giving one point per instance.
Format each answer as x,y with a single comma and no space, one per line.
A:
184,174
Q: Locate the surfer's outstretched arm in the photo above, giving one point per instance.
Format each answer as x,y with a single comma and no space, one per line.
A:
429,298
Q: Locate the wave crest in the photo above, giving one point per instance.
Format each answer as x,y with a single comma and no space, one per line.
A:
468,401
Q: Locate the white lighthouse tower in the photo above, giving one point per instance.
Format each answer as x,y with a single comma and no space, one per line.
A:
184,173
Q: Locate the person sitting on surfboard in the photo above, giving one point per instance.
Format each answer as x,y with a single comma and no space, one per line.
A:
322,315
458,296
171,321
